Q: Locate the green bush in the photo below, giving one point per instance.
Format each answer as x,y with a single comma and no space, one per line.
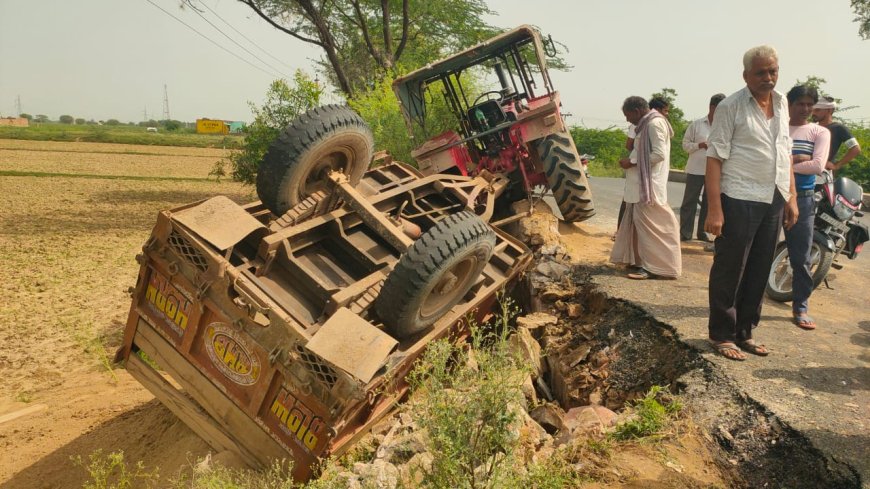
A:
651,416
284,102
607,145
379,107
859,168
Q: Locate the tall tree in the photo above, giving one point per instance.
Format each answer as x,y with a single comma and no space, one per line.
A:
862,17
363,40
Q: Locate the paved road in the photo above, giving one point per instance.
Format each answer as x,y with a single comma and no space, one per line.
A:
817,381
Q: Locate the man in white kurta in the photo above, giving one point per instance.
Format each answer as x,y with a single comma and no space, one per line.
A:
648,240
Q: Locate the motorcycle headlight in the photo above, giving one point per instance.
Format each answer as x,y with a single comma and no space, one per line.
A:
842,210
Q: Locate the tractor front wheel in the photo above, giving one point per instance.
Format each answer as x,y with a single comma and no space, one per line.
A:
566,177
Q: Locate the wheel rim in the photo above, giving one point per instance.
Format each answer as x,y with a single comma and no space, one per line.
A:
315,177
781,273
450,286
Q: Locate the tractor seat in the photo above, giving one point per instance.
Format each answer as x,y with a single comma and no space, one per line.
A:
493,113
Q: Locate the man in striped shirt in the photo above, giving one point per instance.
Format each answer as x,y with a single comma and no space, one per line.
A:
809,154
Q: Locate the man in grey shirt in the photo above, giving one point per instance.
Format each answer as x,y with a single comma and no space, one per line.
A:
749,183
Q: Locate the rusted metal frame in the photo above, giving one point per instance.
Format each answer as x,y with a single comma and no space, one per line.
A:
349,294
385,227
217,436
219,406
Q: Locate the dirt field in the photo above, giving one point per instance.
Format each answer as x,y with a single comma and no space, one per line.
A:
68,246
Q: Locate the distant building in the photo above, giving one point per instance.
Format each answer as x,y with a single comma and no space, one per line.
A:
211,126
14,121
236,126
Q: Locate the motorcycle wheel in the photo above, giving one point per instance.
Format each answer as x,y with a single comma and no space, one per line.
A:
778,286
820,263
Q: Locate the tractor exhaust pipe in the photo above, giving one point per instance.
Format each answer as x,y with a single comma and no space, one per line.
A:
502,79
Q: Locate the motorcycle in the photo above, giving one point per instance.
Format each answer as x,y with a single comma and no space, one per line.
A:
835,233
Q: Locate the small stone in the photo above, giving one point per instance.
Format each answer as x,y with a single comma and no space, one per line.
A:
552,269
529,392
537,320
549,416
574,310
379,474
528,350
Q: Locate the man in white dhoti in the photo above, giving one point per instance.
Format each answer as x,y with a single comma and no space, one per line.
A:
648,239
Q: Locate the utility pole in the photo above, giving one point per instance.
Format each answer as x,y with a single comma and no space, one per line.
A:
145,114
165,104
18,105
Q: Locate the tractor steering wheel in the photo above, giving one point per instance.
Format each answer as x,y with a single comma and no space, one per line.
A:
487,96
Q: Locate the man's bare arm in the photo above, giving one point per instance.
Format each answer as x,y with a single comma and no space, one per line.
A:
712,185
850,155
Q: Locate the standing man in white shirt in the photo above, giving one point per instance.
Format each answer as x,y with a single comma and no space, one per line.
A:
695,143
749,184
648,239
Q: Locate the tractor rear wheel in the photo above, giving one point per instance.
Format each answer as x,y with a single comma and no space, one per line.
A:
324,139
566,177
435,273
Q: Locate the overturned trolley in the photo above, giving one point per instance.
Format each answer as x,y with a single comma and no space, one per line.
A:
290,336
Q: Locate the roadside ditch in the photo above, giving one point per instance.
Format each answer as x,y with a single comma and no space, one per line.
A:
598,350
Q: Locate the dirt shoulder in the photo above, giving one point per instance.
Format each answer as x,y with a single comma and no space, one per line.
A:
816,381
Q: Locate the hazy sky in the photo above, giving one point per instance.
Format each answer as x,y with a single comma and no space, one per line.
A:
101,59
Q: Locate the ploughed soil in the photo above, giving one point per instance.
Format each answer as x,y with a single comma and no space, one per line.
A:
68,244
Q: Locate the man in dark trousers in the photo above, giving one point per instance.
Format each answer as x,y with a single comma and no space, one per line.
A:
695,144
749,183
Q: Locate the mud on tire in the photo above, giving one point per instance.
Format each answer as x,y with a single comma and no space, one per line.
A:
435,273
566,177
331,137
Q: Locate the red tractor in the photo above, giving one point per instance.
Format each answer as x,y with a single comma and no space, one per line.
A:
515,130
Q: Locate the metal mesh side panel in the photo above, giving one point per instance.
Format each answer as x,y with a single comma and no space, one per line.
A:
324,373
187,251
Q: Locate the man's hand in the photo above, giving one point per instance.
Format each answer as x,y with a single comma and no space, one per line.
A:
625,163
830,166
800,158
702,145
715,221
791,213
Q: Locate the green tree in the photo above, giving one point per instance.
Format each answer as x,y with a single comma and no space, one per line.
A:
66,119
862,17
607,145
380,109
364,40
171,125
41,118
113,122
80,121
284,102
26,116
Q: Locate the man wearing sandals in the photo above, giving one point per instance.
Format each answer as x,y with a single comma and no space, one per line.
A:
750,190
810,146
648,239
